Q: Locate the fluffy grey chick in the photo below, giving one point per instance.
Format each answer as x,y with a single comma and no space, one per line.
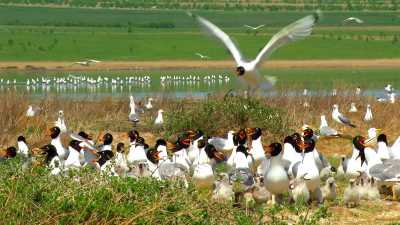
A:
260,193
299,190
373,191
329,189
223,189
351,196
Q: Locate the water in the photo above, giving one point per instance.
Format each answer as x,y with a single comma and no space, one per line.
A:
120,84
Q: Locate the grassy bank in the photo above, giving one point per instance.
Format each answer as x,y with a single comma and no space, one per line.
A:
68,34
34,197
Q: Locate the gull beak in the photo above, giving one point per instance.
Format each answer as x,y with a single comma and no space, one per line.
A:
170,146
37,151
124,135
369,143
378,130
186,141
158,156
250,131
219,156
267,150
48,132
191,134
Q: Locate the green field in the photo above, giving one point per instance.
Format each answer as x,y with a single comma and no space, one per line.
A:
250,5
67,34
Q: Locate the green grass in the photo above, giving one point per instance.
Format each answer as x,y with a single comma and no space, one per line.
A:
139,18
35,197
68,34
69,44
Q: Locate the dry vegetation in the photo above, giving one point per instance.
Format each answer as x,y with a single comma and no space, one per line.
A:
110,115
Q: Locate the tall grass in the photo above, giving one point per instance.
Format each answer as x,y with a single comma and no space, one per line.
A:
278,115
34,197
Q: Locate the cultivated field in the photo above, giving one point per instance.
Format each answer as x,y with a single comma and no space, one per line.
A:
45,34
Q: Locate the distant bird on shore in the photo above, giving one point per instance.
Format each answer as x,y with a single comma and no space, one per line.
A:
60,122
87,62
358,91
368,114
133,115
254,28
248,70
202,56
32,111
340,118
148,104
388,88
353,20
159,120
353,107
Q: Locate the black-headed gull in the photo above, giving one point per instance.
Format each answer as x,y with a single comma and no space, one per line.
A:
247,70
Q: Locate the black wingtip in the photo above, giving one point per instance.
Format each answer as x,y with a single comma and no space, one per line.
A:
190,14
317,15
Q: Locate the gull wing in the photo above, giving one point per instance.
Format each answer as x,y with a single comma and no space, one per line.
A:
345,162
133,118
217,142
296,31
392,169
327,131
345,120
249,27
222,36
258,27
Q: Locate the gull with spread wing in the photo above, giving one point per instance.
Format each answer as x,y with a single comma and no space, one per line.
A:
247,70
254,28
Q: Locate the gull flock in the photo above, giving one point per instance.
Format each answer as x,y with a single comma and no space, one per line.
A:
265,172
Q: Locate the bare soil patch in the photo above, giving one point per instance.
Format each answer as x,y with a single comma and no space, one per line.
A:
197,64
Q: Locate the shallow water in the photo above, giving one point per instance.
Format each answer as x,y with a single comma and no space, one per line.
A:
120,84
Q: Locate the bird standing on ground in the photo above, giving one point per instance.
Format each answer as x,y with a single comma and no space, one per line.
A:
32,111
353,107
276,179
60,122
23,148
351,196
325,130
329,189
159,120
133,116
55,134
368,114
148,104
340,118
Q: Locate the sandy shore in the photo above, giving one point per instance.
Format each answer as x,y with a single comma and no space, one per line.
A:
176,64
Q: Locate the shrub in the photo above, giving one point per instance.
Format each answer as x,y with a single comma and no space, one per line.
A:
217,115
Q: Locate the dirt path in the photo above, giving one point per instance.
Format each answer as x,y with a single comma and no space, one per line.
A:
176,64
